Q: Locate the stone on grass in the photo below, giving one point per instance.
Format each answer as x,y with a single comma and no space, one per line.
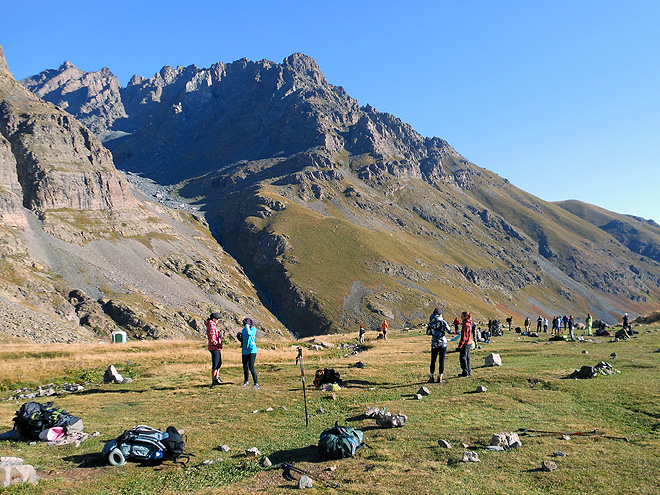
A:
252,452
305,482
372,411
444,444
388,420
559,453
111,375
481,389
493,360
224,448
18,473
470,456
548,466
509,440
424,392
419,396
265,462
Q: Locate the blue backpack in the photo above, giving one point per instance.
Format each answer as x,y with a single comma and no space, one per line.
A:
143,443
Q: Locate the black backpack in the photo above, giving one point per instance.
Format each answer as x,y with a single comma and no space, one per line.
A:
33,418
326,375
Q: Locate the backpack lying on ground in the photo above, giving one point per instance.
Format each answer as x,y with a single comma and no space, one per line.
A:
340,441
33,418
326,376
143,443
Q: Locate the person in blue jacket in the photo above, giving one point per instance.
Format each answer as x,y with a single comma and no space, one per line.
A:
249,348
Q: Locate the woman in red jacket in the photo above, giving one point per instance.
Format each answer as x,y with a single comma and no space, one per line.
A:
215,346
465,343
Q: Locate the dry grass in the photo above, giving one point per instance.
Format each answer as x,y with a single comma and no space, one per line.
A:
171,387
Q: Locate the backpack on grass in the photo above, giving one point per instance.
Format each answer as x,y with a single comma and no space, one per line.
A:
33,418
143,443
326,375
339,442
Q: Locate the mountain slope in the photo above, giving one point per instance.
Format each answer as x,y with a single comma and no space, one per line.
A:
341,213
80,255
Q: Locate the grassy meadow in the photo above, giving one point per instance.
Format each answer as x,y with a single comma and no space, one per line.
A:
171,387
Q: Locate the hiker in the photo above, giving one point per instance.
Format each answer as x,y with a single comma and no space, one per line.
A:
571,327
509,320
527,324
384,328
362,332
545,325
456,322
465,343
625,322
589,321
215,347
539,324
565,322
437,328
249,352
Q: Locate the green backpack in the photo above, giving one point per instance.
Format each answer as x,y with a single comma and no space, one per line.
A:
340,441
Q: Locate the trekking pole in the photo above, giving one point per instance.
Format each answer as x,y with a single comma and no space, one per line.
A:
302,372
541,433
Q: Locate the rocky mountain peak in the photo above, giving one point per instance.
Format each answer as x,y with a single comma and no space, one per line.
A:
306,67
4,68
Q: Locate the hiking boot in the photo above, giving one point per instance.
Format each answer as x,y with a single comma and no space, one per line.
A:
215,382
255,386
431,379
246,384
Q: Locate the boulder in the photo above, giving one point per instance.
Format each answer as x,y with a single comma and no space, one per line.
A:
305,482
493,360
14,474
389,420
470,456
111,375
252,452
481,389
444,444
507,440
371,412
424,392
548,466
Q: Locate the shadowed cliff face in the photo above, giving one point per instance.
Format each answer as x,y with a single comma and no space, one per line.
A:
81,256
342,214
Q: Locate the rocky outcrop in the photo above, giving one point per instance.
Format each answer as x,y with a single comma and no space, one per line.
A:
93,97
51,160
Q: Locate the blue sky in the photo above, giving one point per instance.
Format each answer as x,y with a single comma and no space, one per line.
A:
560,97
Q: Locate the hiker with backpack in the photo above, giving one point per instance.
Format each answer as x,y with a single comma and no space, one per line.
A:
437,328
249,352
384,328
465,343
215,347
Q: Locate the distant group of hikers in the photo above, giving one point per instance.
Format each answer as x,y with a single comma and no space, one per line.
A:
567,322
437,328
